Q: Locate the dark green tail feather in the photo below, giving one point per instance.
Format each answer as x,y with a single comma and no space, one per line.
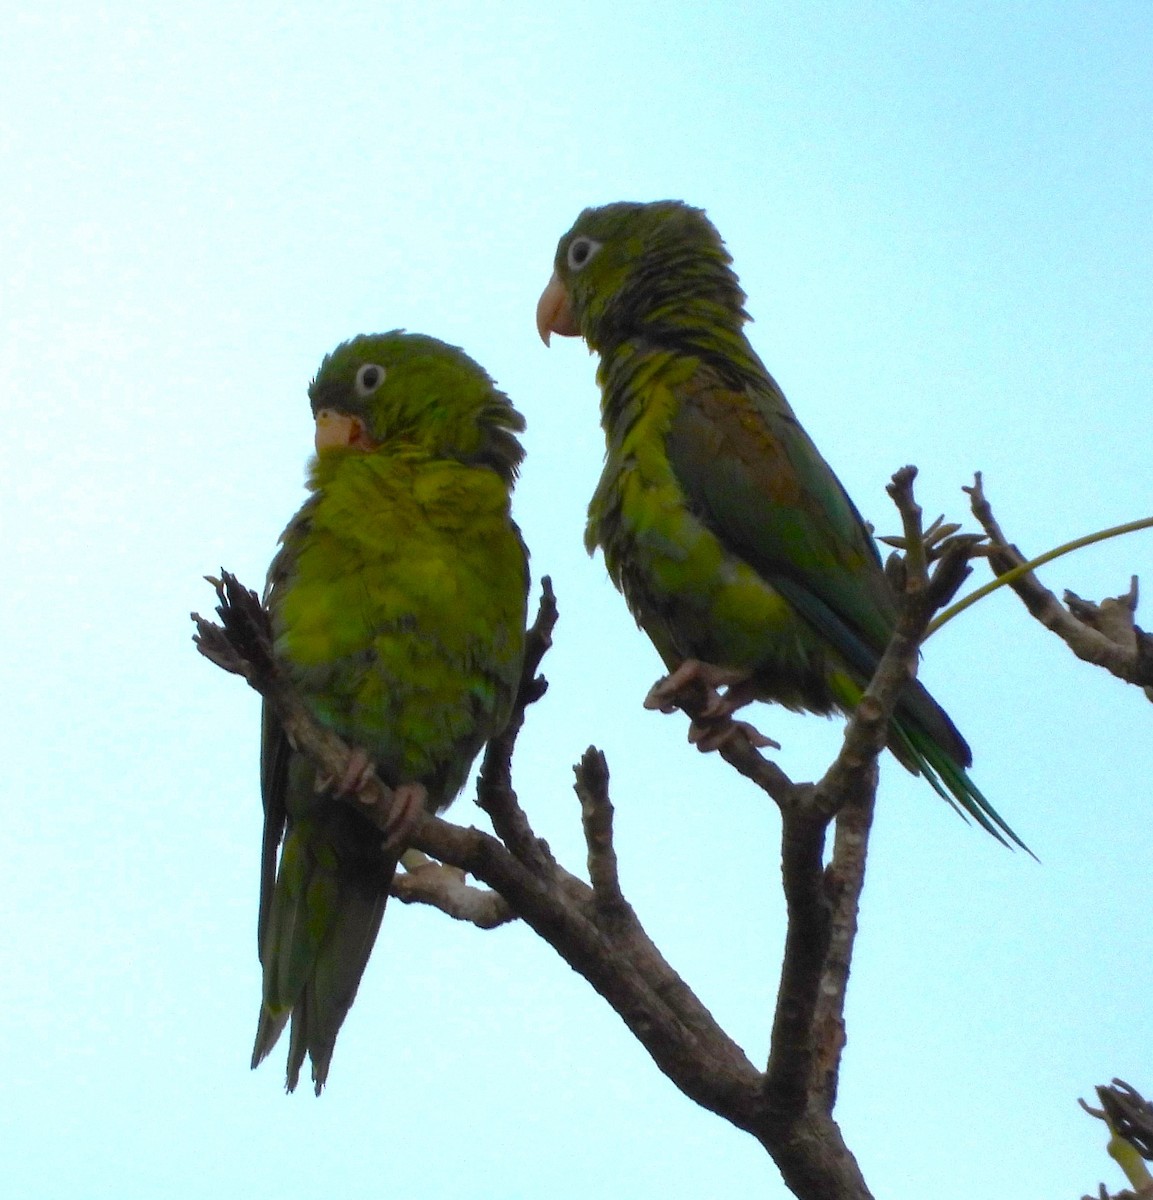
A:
332,987
924,740
950,781
318,1010
313,959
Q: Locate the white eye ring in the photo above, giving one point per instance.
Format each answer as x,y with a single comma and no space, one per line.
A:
580,251
369,376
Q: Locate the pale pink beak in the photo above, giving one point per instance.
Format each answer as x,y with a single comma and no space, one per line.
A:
554,313
336,429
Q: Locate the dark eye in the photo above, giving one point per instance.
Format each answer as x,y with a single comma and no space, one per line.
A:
580,250
368,378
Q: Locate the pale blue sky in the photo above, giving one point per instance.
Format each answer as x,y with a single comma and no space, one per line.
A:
941,214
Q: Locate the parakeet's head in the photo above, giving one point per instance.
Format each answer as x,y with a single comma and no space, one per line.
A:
627,269
407,387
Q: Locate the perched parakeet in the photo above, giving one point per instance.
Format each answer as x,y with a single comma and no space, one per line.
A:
397,603
736,547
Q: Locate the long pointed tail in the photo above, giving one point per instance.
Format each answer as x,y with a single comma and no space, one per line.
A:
325,913
928,743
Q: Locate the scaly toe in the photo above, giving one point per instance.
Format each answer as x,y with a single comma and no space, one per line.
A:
359,771
661,696
696,681
408,804
715,734
756,738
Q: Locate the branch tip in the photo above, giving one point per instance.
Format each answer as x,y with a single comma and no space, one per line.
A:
591,786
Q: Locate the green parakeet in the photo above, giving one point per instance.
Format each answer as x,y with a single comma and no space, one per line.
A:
397,602
735,546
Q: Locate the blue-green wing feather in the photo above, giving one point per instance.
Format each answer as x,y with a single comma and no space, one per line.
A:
750,472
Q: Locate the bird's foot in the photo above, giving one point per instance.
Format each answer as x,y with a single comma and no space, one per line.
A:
408,805
695,686
359,771
408,799
351,781
713,734
694,680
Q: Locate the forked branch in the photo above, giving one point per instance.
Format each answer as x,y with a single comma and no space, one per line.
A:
1105,634
788,1106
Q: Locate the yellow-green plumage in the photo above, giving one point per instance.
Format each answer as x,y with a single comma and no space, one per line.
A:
397,603
730,537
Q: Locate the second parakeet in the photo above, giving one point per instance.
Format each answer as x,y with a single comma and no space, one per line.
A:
735,546
397,603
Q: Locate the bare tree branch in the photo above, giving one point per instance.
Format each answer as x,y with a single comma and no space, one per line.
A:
1105,635
444,887
844,882
787,1107
495,792
822,903
627,970
592,788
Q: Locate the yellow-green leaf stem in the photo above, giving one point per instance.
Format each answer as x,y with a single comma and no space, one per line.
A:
1015,573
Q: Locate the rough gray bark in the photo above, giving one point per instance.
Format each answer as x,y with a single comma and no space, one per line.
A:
788,1105
1103,634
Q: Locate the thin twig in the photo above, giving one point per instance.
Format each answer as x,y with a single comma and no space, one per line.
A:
1122,648
495,793
445,888
592,789
844,881
789,1074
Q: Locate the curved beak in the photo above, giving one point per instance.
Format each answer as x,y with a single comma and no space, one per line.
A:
554,313
340,430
